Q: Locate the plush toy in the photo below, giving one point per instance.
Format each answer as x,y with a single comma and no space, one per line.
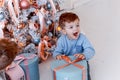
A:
41,51
43,48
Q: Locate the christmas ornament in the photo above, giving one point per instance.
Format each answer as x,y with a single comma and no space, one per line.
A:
48,6
36,41
2,16
58,28
24,4
48,22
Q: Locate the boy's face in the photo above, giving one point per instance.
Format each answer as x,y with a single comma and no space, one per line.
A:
72,29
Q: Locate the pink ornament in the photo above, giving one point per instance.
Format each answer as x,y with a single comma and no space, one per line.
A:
24,4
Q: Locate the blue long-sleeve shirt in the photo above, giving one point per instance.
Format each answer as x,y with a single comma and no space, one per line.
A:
70,47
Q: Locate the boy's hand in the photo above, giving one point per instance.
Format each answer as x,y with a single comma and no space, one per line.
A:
59,57
79,56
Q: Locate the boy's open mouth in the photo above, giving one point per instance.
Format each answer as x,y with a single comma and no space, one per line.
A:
75,34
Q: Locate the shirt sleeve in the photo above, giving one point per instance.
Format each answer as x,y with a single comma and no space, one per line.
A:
59,47
88,49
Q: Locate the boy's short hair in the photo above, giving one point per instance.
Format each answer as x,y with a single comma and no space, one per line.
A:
67,17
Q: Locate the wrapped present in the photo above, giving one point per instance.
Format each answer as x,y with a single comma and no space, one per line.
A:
69,69
15,72
30,66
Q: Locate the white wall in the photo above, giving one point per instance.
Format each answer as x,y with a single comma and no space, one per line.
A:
100,20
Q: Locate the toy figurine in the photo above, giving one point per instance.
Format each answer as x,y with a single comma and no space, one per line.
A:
42,48
46,47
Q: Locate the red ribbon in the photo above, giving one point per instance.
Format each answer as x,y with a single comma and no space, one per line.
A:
69,62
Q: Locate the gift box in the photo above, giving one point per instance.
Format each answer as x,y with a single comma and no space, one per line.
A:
63,70
30,65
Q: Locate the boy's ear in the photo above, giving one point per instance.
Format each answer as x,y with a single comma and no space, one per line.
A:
63,31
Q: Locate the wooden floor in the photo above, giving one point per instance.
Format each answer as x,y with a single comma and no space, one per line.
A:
44,69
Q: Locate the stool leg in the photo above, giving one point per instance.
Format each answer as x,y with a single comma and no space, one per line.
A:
88,71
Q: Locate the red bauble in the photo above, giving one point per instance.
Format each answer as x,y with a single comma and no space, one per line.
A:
24,4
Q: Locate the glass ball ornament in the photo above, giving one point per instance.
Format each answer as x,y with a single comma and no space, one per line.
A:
48,22
2,16
36,41
48,5
24,4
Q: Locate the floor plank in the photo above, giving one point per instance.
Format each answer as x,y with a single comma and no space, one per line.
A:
44,69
